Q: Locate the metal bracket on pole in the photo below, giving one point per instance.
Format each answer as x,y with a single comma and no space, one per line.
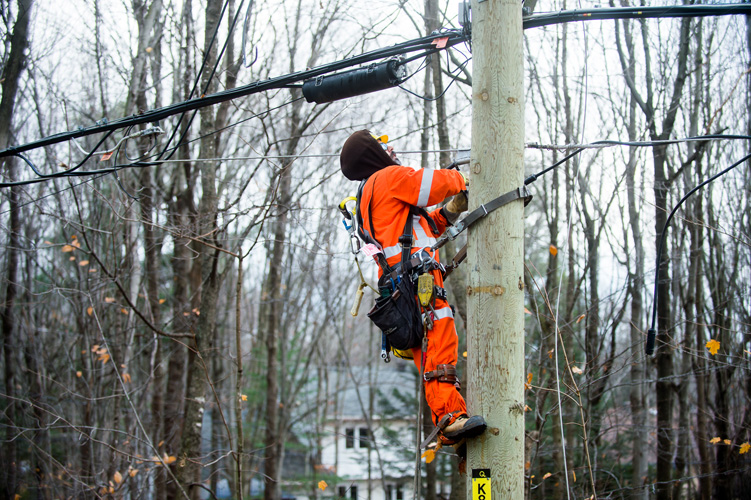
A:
465,15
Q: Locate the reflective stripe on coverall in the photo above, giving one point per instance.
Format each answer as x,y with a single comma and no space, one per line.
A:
389,193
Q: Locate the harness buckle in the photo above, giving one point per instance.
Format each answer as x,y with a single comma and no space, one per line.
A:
453,231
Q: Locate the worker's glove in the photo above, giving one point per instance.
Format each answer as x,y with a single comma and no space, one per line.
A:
457,205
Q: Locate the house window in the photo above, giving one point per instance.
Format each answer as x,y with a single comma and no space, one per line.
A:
389,491
365,437
350,438
345,492
399,492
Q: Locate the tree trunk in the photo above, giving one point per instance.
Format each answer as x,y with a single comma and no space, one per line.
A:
663,358
11,76
271,320
206,263
181,214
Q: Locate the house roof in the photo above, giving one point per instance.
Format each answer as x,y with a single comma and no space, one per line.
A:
381,391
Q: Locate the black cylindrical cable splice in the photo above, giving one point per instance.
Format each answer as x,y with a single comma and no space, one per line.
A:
371,78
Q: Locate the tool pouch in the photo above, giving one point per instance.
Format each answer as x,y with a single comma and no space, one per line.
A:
398,316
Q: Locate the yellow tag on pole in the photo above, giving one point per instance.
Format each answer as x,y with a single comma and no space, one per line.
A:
481,484
425,289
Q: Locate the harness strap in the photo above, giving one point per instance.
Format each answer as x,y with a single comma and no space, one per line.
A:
458,259
483,210
364,234
444,373
419,259
406,239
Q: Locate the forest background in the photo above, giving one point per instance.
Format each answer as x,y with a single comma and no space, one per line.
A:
220,279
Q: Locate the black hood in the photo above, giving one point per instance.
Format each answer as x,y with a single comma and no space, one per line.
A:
362,156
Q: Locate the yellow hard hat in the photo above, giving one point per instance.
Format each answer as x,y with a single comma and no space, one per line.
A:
383,138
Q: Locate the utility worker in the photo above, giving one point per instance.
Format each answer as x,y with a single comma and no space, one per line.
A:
387,196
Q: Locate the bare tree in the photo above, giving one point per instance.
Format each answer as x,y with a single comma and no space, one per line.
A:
10,78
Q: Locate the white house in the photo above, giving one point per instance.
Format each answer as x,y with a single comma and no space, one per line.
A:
368,438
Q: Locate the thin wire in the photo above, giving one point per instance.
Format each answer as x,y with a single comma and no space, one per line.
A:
558,298
196,82
431,99
147,131
232,125
245,35
608,143
143,163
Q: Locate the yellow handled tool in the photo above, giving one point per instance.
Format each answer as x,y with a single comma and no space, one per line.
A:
425,289
358,299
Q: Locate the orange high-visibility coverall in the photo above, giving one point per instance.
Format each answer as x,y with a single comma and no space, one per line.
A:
389,193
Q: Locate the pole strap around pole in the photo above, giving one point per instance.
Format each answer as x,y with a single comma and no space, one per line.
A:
520,193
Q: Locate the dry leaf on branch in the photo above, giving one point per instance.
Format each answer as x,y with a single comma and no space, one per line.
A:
428,455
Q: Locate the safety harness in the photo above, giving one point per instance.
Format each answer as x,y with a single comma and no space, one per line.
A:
410,270
412,266
416,269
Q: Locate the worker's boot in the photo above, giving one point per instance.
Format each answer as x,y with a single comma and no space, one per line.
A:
465,427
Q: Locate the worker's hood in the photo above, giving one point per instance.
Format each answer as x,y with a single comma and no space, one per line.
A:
362,156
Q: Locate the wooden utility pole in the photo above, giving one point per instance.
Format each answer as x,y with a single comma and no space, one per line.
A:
495,292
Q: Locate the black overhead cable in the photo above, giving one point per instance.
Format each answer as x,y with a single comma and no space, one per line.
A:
599,14
454,37
652,332
198,78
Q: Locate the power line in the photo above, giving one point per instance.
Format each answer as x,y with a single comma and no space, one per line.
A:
608,143
652,332
453,37
600,14
73,172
